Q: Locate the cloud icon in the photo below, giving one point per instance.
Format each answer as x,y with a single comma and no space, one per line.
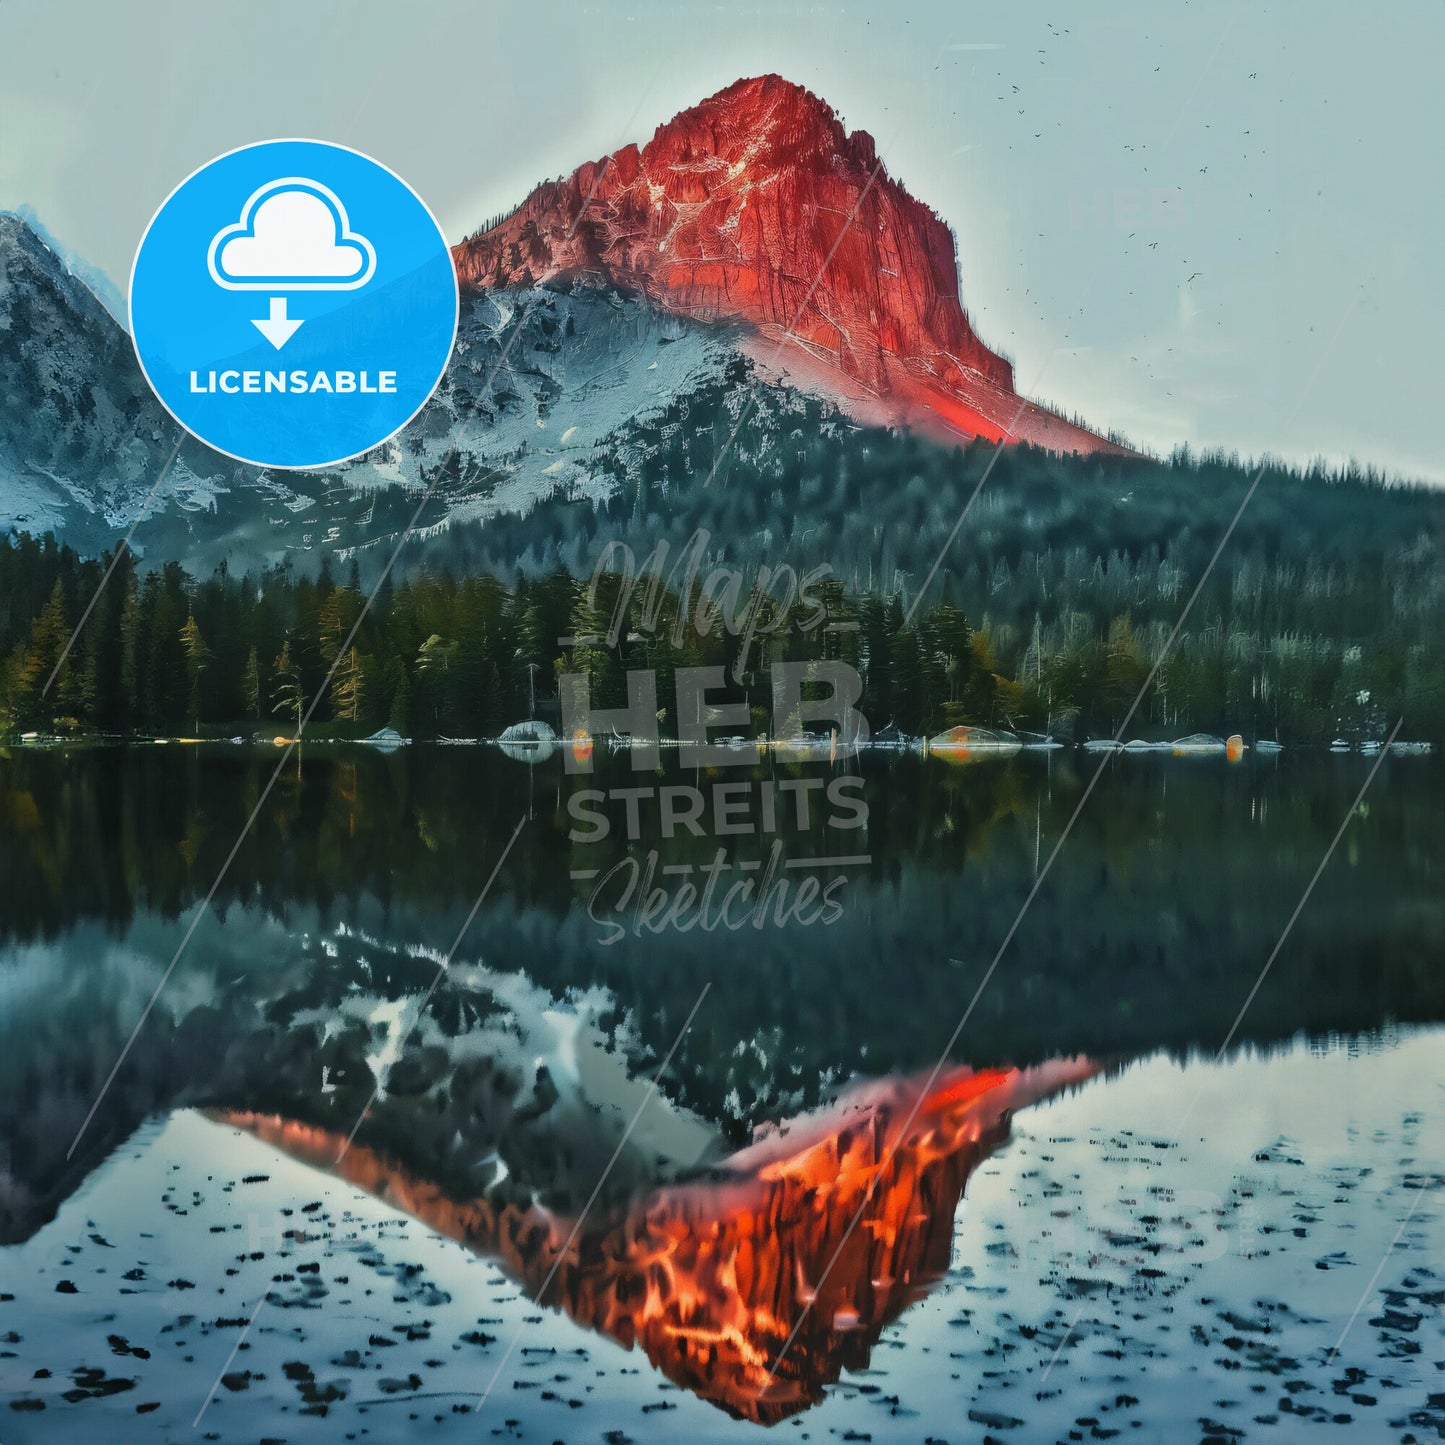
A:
293,235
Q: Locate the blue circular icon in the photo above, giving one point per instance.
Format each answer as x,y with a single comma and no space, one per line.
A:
293,303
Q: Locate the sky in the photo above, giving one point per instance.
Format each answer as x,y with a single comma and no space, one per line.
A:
1205,223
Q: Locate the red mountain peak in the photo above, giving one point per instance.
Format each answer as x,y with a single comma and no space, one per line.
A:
757,207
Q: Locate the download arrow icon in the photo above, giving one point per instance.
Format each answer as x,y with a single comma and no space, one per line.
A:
277,328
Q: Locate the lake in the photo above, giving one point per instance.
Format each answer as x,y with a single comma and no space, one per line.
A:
413,1140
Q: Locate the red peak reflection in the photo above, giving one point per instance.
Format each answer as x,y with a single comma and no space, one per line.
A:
709,1277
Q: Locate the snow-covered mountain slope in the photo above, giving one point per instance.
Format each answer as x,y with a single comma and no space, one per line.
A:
554,396
541,386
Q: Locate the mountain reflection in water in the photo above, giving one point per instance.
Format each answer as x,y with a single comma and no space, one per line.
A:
709,1276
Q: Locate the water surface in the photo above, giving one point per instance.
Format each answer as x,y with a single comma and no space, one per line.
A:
1160,1231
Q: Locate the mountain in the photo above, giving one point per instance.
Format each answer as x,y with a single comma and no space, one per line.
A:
575,413
757,206
621,335
537,382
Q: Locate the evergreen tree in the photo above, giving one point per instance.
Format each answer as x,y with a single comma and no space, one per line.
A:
197,657
433,702
251,683
348,686
400,714
287,699
47,641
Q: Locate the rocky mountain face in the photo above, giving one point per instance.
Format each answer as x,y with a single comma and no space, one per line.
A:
757,206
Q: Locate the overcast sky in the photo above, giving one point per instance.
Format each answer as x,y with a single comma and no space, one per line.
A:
1171,215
